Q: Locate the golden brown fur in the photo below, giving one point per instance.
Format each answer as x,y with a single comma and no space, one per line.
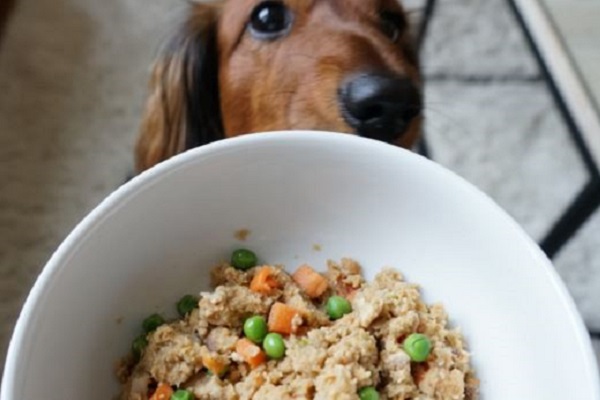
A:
214,80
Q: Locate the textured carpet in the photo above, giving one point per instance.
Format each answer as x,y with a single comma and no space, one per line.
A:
73,75
492,120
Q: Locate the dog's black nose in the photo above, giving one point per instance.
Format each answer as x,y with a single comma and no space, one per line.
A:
379,106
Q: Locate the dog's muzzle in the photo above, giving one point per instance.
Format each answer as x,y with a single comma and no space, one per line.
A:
379,105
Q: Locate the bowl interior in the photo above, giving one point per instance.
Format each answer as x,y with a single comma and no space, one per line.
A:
156,238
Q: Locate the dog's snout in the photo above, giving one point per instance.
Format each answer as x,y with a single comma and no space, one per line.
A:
378,105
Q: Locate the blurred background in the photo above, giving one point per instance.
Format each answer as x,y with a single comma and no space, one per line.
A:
73,79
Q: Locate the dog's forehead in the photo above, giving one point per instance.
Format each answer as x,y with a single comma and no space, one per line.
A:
240,9
235,14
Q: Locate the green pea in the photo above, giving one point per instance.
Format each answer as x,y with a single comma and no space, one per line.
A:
368,393
243,259
274,345
182,395
152,322
138,346
255,328
417,346
337,307
186,304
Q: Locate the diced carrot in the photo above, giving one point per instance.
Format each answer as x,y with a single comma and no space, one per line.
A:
214,365
163,392
250,352
281,319
264,281
312,282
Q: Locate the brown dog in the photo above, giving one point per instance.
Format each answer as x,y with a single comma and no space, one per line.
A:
243,66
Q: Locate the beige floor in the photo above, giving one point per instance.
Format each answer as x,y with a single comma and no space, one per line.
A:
578,24
73,79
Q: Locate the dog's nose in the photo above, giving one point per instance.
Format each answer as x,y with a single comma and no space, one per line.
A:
378,105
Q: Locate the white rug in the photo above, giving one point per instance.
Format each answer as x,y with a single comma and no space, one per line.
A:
491,119
73,75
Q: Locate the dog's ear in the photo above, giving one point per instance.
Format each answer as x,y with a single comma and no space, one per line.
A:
183,108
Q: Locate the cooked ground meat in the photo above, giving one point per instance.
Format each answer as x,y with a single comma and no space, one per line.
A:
324,358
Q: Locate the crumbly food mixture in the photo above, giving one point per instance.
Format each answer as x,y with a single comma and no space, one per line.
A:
324,359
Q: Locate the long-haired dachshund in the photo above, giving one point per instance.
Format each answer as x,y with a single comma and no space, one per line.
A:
243,66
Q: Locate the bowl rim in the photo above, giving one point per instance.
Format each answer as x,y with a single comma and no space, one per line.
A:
106,207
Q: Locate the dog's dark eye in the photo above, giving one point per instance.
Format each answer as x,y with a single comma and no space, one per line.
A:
392,25
270,20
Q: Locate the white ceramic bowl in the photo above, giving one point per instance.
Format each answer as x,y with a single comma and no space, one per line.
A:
156,238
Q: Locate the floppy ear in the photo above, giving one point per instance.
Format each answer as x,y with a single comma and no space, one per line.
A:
183,108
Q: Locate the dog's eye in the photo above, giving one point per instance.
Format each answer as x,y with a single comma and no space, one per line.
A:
392,25
270,20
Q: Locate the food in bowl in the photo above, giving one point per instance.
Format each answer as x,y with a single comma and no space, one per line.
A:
265,334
